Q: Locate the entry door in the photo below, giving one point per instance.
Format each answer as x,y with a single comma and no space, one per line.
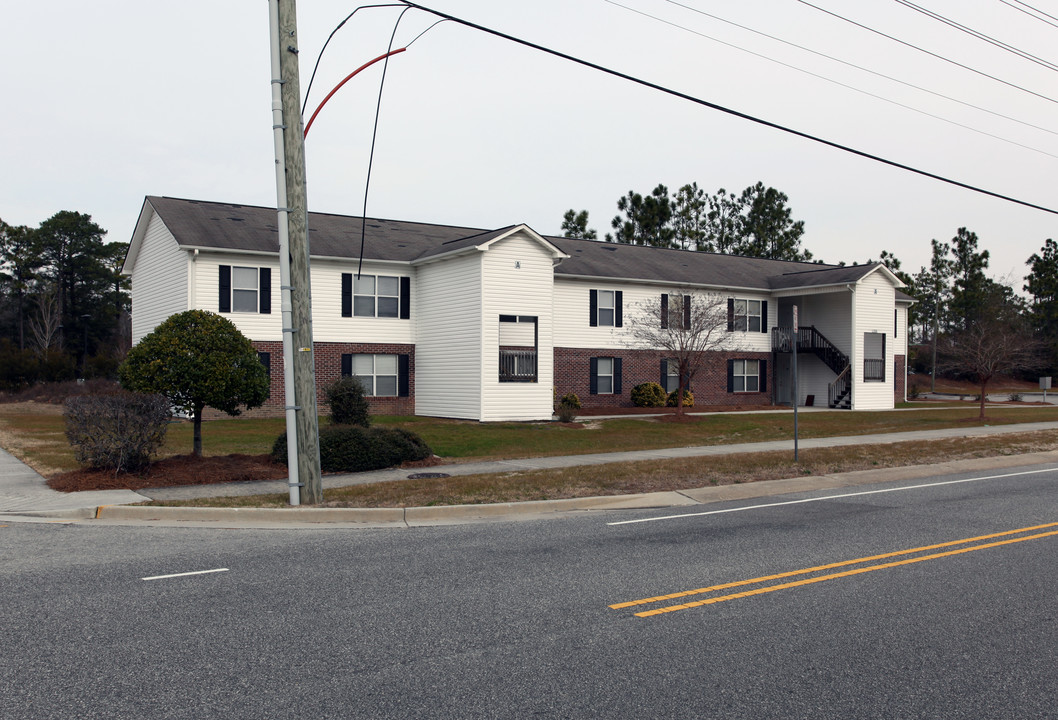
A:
783,382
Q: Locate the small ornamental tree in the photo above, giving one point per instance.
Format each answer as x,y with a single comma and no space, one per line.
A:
197,358
687,327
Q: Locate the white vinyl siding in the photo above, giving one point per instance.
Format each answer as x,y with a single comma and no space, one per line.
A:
328,325
875,300
206,279
447,315
831,314
518,280
159,280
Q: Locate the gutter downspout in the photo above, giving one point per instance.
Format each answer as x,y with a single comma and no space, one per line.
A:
284,257
852,349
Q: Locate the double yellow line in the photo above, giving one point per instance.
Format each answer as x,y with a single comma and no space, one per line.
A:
831,566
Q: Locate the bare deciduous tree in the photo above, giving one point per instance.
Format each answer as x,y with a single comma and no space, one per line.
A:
685,326
45,326
997,346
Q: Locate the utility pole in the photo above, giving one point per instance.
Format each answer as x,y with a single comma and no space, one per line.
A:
298,352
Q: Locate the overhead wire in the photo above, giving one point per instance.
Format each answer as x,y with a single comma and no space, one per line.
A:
928,52
858,67
833,81
1036,9
979,35
726,110
1030,14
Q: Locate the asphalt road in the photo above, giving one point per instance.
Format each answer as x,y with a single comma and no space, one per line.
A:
514,619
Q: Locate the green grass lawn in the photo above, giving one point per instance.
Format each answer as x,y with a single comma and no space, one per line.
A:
35,434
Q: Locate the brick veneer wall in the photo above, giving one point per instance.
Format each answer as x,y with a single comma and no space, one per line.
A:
899,377
709,386
328,369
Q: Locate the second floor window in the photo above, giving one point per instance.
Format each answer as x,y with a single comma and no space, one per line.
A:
605,308
747,315
245,289
376,296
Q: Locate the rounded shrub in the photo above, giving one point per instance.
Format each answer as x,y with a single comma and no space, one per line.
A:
688,399
353,448
345,396
570,400
116,431
648,394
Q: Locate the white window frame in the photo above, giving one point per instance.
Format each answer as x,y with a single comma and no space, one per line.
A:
744,319
745,375
601,307
360,295
245,289
672,379
369,381
600,376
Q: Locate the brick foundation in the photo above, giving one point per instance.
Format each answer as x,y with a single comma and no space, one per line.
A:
328,369
899,377
709,386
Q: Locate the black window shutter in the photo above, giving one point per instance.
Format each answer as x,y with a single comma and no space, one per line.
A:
664,375
405,298
618,312
265,300
593,308
347,294
403,376
764,376
730,314
664,311
347,365
266,360
731,376
686,312
764,316
593,375
617,376
225,288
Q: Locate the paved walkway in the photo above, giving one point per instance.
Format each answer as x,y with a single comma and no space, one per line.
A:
24,491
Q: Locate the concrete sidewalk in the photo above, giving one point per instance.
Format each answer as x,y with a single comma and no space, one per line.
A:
24,492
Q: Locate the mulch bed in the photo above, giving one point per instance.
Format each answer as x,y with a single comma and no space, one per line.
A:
589,412
177,470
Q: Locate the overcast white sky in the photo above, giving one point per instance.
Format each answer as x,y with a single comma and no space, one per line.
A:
113,100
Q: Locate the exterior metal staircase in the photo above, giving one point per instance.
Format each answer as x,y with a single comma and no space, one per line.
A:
810,340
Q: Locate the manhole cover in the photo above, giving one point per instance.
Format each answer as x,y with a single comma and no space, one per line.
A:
427,476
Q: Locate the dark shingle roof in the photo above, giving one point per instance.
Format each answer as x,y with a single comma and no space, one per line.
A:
224,226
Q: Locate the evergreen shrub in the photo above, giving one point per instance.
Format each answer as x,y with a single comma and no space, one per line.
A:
353,448
648,394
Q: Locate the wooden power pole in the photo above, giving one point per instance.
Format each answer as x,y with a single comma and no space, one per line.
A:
299,332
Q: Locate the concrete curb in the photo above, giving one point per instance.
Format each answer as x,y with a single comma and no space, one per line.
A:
465,514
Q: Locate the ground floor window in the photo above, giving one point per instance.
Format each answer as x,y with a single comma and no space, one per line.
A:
746,376
670,375
379,375
605,376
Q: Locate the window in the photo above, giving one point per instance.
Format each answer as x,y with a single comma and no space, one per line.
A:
747,376
673,307
670,375
519,339
380,375
245,289
384,296
747,315
874,357
605,378
605,306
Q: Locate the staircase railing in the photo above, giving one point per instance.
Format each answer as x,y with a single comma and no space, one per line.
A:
810,340
839,389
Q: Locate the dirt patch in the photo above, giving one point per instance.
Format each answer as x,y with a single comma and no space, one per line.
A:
178,470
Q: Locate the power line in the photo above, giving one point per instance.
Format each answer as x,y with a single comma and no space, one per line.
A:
1035,9
729,111
979,35
1030,14
928,52
858,67
829,80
